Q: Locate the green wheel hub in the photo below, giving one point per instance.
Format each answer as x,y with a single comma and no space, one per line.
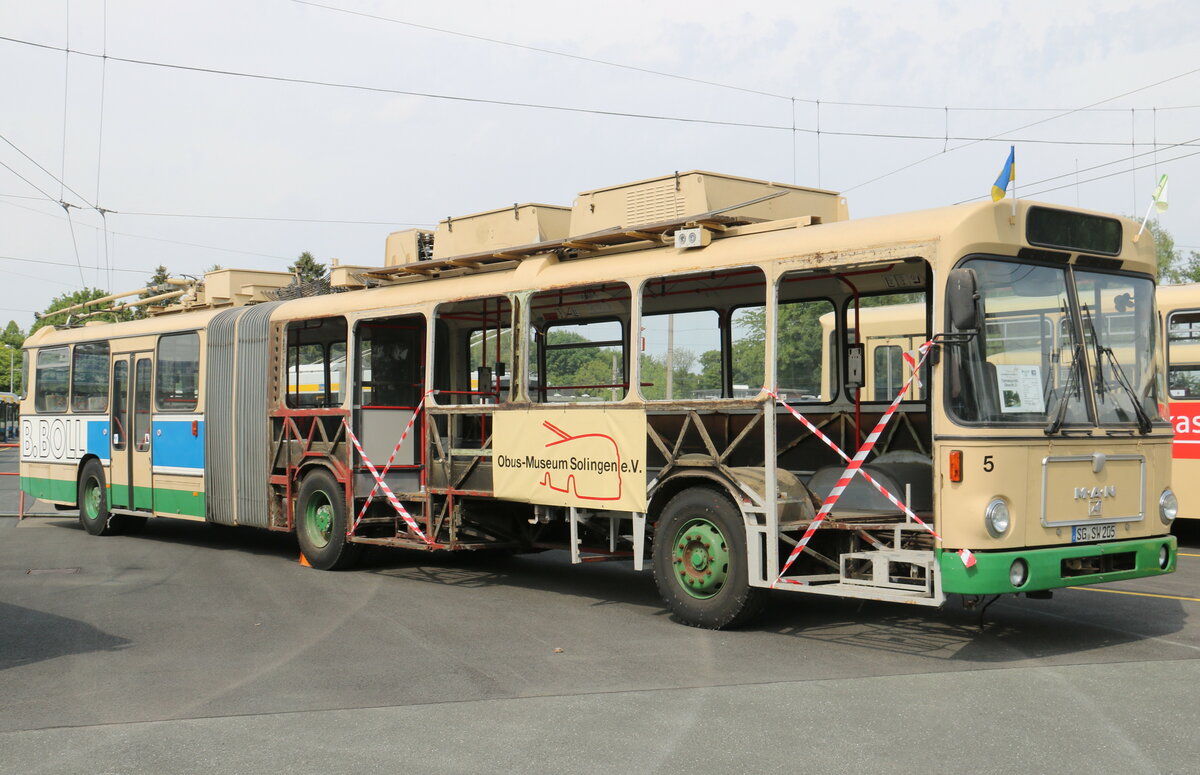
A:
700,558
318,519
91,499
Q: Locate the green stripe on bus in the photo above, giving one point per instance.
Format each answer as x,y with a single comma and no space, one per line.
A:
49,489
187,503
990,574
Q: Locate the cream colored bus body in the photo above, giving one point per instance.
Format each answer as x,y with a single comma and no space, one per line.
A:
1039,476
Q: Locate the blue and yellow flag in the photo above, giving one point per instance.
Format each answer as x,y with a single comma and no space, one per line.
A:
1007,175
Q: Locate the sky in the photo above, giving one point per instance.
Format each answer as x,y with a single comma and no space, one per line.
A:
227,132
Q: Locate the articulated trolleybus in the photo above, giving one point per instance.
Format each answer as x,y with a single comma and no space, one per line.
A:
674,372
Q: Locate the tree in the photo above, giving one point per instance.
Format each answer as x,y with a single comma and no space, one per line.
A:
11,357
155,283
13,336
1173,267
70,299
308,269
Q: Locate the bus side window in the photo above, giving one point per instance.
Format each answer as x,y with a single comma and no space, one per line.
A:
177,378
580,344
692,326
316,363
473,351
52,379
89,377
391,362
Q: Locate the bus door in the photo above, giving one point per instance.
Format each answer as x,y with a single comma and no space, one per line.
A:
130,433
389,391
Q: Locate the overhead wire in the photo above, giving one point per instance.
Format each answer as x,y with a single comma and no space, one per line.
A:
818,131
66,101
60,263
1111,174
30,182
1025,126
1075,172
100,132
54,177
690,79
968,140
115,233
267,218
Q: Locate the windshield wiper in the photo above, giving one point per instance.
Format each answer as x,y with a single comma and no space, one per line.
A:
1087,314
1060,407
1143,419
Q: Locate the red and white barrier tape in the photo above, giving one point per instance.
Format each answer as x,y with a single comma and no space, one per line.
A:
388,465
391,496
855,467
870,480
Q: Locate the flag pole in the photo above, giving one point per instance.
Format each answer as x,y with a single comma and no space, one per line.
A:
1157,199
1013,174
1144,220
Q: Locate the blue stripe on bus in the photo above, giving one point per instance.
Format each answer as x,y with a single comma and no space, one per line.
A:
176,447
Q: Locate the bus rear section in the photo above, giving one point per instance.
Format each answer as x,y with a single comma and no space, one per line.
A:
1179,306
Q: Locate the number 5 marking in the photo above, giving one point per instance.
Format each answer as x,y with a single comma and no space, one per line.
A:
988,465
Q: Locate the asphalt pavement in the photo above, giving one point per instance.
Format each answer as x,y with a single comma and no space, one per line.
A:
191,648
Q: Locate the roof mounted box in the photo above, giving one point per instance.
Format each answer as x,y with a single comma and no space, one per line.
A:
242,286
497,229
695,192
405,247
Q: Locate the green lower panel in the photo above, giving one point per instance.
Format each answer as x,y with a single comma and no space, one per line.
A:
183,502
61,490
1049,567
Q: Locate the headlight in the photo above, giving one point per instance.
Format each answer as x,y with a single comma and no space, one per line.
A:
1018,572
996,518
1168,506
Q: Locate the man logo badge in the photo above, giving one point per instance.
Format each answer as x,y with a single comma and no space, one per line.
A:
1094,496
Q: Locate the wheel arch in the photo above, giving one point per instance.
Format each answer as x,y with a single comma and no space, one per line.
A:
83,462
679,481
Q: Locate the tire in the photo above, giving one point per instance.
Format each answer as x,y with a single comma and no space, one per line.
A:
321,523
700,562
94,515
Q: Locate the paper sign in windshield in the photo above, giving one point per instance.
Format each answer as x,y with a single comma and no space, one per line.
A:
1020,388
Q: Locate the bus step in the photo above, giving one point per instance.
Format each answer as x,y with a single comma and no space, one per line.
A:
896,569
376,521
863,592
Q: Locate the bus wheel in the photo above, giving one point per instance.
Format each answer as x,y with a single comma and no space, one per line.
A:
93,502
321,523
700,562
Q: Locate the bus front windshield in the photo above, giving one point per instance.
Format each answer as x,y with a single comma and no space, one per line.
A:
1058,346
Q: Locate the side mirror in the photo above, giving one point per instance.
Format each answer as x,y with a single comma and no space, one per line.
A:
962,293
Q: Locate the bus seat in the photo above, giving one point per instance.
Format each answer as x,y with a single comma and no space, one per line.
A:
893,470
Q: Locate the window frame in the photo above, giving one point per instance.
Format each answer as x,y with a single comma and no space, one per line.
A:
81,349
158,374
39,394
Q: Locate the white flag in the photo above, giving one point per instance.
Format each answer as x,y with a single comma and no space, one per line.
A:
1160,195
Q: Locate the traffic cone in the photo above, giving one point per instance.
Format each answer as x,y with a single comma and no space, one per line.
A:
304,561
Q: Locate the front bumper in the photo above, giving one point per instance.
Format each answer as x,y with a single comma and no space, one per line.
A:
1057,566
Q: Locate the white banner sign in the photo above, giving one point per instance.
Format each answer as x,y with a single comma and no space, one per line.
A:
585,458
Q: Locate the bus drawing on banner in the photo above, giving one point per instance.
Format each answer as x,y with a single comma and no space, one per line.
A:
722,380
1179,306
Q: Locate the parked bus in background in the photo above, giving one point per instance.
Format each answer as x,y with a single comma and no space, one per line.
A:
10,410
673,370
1179,306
